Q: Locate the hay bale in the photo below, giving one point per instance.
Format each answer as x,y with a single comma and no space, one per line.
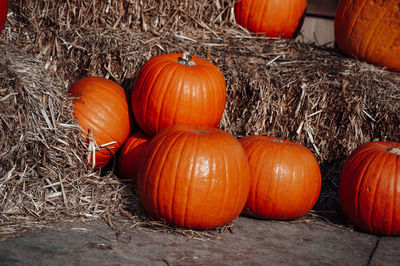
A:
43,173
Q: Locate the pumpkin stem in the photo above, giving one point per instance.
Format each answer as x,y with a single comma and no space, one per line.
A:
186,59
394,150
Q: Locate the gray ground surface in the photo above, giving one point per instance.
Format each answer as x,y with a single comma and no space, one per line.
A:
254,242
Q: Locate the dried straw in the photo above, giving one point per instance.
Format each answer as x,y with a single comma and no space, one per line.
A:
301,92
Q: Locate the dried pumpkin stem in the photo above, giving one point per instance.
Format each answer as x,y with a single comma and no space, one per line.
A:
186,59
394,150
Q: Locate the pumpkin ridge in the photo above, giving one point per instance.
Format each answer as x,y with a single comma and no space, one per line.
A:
172,214
369,37
139,91
154,81
368,158
190,186
377,174
259,169
248,13
396,181
170,74
171,143
350,30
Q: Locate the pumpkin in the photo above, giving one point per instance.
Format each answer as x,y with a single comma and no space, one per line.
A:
178,89
3,13
194,177
285,178
370,30
369,188
131,154
272,18
101,108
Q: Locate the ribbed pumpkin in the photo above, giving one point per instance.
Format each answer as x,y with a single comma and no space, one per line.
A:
3,13
369,188
178,89
272,18
285,178
101,108
131,154
370,30
194,176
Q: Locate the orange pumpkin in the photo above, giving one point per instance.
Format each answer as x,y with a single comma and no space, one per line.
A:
370,30
285,178
3,13
131,154
178,89
369,188
272,18
102,111
194,177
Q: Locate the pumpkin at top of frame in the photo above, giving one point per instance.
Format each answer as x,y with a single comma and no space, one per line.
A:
178,89
3,13
370,30
271,18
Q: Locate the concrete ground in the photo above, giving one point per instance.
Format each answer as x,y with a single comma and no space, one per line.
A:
254,242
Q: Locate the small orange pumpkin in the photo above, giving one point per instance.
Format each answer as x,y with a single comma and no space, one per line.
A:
3,13
370,30
102,110
178,89
272,18
194,176
369,188
131,154
285,178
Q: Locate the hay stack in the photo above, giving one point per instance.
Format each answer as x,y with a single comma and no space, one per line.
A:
43,175
304,93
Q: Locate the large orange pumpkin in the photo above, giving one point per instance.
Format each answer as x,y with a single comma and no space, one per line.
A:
131,154
3,13
369,188
101,108
285,178
194,176
370,30
178,89
272,18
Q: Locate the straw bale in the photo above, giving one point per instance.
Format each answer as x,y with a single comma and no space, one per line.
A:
43,175
309,94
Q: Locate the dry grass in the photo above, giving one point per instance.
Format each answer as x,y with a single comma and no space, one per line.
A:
301,92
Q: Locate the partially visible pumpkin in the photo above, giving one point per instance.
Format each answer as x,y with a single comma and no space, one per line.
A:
285,178
369,188
131,154
3,13
101,108
194,176
370,30
178,89
272,18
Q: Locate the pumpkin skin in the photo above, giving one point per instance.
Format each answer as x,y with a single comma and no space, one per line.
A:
194,177
369,188
3,13
101,107
131,154
168,92
370,30
272,18
285,178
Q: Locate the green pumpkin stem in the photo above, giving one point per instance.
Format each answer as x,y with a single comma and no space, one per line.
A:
186,59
